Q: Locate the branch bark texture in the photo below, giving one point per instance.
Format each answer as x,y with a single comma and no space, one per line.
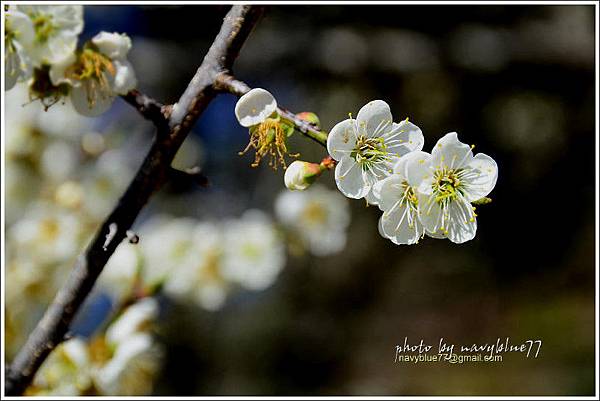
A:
173,125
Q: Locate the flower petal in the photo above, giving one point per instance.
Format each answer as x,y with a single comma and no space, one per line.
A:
349,179
390,191
402,226
482,177
372,197
79,99
404,137
462,225
373,118
341,139
414,167
114,45
57,70
124,79
430,213
451,153
11,70
254,107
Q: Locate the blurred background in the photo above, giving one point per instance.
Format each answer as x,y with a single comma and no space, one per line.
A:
516,81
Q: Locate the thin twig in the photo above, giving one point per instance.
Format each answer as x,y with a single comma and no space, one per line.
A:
55,323
227,83
147,106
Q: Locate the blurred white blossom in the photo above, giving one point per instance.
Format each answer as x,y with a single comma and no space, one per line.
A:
254,253
135,356
47,234
318,216
66,372
165,244
119,276
199,277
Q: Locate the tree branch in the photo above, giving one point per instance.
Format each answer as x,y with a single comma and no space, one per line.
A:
227,83
148,107
53,326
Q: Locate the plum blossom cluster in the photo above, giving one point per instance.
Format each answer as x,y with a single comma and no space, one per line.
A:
62,179
41,49
121,361
383,162
202,262
419,193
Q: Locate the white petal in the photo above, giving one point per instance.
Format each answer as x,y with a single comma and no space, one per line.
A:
390,191
124,79
254,107
414,167
21,26
404,137
114,45
11,70
374,118
341,139
401,226
79,99
462,225
349,179
450,153
57,70
371,197
430,213
485,175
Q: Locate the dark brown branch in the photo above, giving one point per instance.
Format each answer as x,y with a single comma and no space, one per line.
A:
148,107
55,323
227,83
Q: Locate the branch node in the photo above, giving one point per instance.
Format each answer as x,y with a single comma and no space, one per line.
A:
132,237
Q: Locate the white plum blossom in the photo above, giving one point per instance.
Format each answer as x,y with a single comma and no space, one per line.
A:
18,36
132,368
165,244
397,198
56,30
121,271
47,234
136,355
255,107
257,111
134,319
254,253
97,74
199,277
104,181
319,217
300,175
367,148
453,180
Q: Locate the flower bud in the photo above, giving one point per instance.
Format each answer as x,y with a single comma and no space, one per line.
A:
300,175
309,117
